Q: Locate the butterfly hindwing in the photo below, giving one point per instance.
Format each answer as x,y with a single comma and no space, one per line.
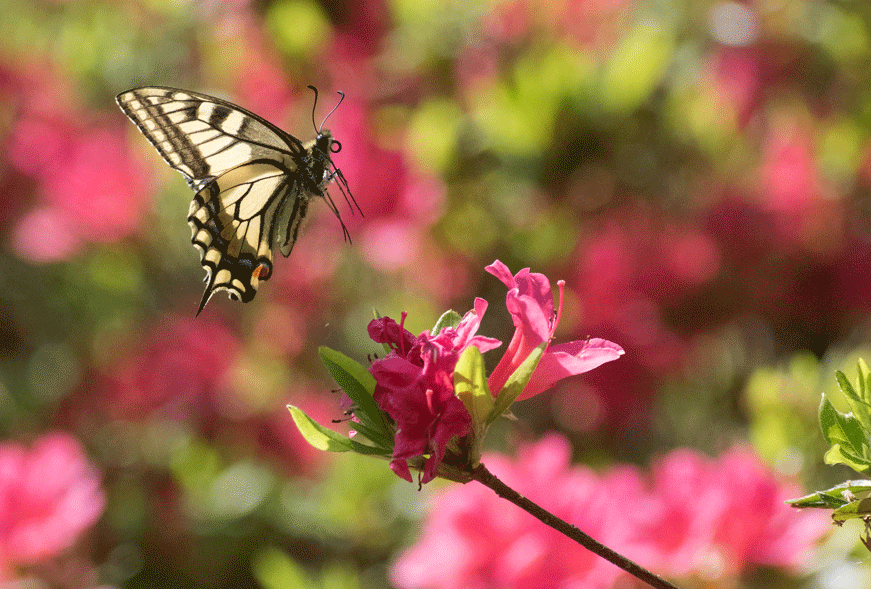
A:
253,181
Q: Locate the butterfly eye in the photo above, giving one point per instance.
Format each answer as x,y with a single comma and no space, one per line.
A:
335,147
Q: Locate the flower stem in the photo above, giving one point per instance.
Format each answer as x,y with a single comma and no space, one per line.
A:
486,478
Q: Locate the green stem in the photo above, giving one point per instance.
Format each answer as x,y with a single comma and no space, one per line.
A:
486,478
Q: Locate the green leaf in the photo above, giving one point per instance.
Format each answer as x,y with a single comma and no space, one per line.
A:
843,429
838,455
863,379
359,385
858,402
836,496
470,385
449,318
516,383
820,500
852,510
326,439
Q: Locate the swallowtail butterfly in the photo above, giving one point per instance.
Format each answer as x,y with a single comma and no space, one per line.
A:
252,181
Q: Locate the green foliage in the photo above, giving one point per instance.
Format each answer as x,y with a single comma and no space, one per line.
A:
326,439
637,66
298,26
470,385
783,407
849,437
359,385
848,433
516,383
449,318
275,569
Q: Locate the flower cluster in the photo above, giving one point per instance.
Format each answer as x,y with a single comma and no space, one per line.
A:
702,517
429,391
49,494
415,387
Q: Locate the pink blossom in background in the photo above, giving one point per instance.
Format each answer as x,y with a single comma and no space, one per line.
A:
794,192
98,185
508,22
711,519
530,302
719,517
88,185
472,539
415,386
365,23
180,365
594,24
737,74
90,188
49,495
40,138
261,85
398,201
630,269
639,256
29,236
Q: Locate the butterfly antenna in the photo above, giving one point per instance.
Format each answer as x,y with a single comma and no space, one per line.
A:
314,106
342,94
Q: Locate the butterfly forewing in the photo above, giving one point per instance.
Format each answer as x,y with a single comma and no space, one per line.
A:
253,181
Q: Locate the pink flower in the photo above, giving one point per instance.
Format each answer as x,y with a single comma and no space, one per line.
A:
708,518
180,365
720,517
93,191
49,495
415,387
475,540
530,302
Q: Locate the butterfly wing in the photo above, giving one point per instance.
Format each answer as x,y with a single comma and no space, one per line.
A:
250,190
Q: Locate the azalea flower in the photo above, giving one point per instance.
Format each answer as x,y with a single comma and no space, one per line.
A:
530,302
415,387
415,381
427,404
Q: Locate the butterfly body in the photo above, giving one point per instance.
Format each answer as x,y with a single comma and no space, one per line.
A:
253,182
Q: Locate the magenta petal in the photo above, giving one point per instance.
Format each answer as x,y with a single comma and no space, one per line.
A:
387,331
501,271
537,287
469,325
532,329
527,314
569,359
400,468
527,283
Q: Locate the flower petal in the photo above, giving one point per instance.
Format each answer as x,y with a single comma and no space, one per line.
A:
569,359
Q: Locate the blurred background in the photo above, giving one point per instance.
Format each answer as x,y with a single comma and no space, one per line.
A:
698,173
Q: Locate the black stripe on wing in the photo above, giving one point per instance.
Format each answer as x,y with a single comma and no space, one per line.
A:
235,222
201,136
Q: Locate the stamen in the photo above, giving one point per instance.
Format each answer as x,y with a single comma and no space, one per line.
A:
402,334
559,312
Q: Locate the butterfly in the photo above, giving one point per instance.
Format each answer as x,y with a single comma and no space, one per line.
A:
252,181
